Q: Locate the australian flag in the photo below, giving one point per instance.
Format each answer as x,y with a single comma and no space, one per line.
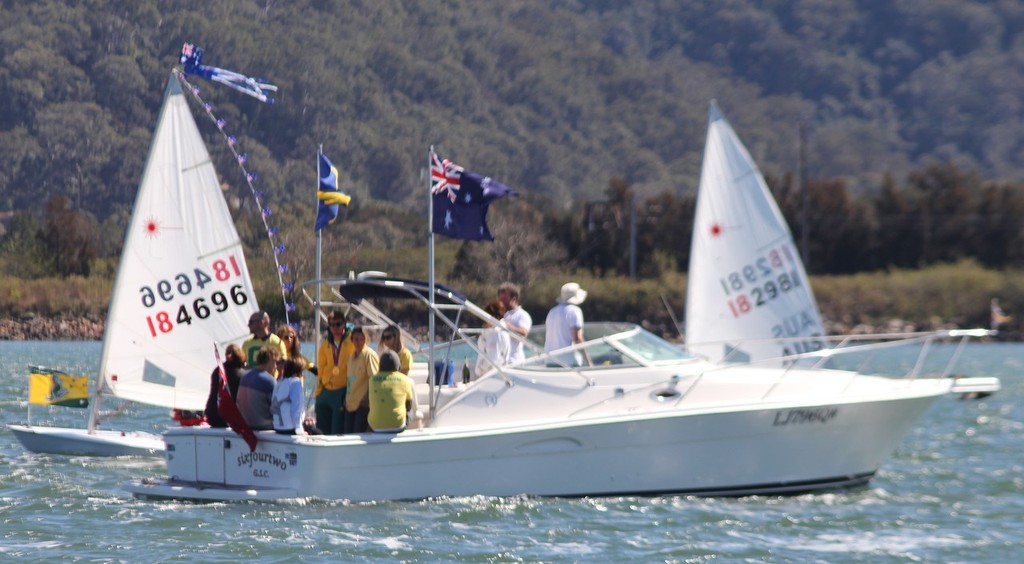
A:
461,198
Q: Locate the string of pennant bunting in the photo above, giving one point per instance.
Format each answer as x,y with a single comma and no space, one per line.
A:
257,195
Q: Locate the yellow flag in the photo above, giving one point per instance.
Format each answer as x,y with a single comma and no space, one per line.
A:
53,387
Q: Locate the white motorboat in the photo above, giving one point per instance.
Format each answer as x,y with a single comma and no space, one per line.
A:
181,286
646,418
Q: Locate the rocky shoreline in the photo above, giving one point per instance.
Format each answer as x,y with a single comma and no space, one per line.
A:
86,329
47,329
71,329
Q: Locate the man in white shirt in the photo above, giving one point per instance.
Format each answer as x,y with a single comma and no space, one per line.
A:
516,319
564,325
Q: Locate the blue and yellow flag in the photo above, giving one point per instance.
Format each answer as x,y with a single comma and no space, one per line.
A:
328,195
53,387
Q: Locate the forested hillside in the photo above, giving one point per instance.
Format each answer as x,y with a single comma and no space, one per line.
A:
911,112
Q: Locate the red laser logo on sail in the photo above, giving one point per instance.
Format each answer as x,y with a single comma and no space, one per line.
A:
152,227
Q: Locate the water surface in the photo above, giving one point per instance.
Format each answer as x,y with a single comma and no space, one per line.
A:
952,492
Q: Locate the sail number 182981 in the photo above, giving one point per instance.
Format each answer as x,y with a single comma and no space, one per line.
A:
760,295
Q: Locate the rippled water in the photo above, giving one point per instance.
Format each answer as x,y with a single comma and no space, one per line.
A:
952,492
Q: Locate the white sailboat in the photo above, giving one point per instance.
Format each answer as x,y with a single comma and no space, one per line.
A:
181,286
748,296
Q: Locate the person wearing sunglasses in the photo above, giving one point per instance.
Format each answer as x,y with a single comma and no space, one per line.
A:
293,346
332,374
259,326
391,340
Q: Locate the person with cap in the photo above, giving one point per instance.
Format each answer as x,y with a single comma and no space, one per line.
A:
564,325
392,397
516,320
259,324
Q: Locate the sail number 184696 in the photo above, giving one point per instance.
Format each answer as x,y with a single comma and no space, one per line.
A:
183,285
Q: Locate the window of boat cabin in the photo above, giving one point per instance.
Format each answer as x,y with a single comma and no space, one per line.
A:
617,344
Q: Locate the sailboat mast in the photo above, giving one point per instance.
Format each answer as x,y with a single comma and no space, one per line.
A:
804,198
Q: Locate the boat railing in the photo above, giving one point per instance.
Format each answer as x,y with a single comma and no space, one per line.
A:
853,345
447,306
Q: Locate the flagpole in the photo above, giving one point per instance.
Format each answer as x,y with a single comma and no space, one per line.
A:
431,368
316,295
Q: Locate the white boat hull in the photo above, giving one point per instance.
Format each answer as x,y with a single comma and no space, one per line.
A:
58,440
766,449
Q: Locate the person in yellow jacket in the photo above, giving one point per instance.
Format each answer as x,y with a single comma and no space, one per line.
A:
392,397
332,376
363,364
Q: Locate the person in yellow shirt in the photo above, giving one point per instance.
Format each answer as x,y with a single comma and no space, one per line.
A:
392,397
332,376
391,340
259,324
363,364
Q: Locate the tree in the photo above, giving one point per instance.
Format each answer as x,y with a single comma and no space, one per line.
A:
899,239
69,238
946,207
21,247
79,142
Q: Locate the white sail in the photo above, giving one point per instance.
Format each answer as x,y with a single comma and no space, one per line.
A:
182,284
746,281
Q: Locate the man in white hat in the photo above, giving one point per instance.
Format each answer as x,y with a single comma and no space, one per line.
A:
564,325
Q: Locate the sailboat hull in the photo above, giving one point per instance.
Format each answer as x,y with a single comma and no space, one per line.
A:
80,442
783,448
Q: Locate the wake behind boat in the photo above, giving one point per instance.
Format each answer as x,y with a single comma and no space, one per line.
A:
645,418
182,284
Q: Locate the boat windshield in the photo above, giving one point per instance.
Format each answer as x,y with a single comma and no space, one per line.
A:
617,344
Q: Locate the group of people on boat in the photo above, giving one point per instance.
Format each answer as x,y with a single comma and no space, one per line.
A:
359,388
264,378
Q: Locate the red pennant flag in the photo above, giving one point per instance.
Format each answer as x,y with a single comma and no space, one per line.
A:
229,411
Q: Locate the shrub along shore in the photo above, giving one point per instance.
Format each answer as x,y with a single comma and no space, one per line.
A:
945,296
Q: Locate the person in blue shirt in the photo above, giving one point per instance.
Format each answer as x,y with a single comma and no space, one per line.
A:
256,388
